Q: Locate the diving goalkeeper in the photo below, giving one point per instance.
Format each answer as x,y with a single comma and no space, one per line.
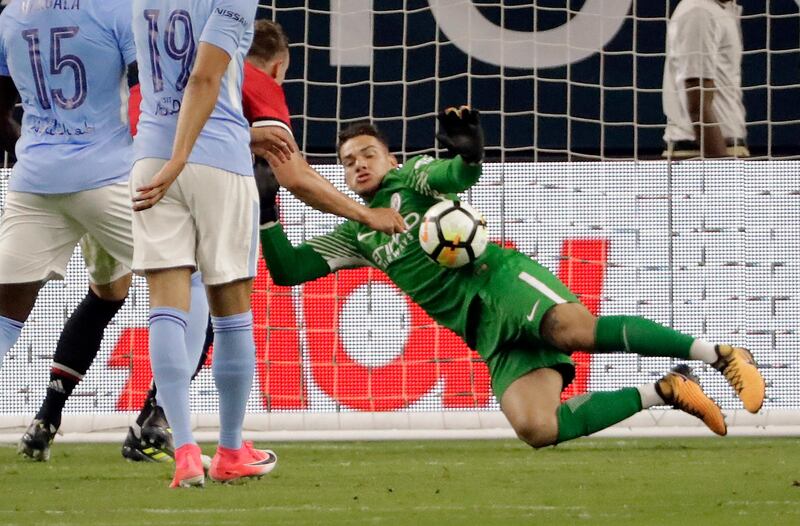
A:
515,313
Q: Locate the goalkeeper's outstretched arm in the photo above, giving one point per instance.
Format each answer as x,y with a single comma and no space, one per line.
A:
289,265
461,134
452,176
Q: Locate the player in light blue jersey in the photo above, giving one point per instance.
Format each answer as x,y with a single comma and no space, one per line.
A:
56,57
191,55
67,61
74,152
169,35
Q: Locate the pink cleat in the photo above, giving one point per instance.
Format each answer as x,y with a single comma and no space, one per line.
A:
229,465
188,467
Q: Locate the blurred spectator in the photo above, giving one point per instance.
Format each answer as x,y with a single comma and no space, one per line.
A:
702,94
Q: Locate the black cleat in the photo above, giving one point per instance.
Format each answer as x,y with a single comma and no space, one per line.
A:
35,443
155,443
156,432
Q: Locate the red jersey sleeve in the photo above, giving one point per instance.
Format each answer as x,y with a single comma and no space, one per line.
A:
134,100
263,100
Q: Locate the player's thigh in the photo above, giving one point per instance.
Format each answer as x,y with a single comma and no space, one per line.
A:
165,235
225,209
108,277
569,326
106,214
17,299
531,402
521,292
36,238
509,361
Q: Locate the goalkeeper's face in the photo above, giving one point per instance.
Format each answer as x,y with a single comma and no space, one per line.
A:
366,162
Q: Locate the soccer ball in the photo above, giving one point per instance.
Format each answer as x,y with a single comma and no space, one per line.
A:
453,233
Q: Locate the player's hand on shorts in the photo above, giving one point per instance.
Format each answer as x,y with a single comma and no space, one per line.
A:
461,133
151,193
272,140
386,220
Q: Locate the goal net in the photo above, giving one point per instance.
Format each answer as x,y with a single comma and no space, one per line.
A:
570,95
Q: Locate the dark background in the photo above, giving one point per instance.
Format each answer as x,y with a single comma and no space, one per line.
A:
630,69
617,115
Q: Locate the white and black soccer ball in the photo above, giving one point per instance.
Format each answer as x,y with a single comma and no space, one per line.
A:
453,233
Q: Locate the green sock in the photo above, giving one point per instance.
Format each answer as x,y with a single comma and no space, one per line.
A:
588,413
638,335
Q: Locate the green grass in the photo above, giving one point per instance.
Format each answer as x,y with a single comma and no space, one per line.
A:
711,481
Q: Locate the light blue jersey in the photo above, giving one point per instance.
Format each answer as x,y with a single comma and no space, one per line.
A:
168,33
68,60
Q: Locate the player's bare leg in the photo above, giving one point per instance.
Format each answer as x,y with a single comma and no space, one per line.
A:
530,403
17,299
571,327
230,299
170,287
117,290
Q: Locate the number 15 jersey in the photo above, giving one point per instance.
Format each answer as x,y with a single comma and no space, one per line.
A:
168,34
68,59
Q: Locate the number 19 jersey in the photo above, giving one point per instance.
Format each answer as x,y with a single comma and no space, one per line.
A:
168,34
68,59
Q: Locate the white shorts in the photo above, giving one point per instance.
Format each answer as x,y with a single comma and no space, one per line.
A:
207,220
38,234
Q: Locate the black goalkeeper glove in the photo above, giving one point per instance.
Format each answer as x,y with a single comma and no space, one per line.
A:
461,133
267,191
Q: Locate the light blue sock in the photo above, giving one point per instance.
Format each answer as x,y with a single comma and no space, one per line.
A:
197,325
9,334
171,369
198,321
233,366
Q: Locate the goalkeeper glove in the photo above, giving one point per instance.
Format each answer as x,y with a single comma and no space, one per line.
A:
268,188
461,133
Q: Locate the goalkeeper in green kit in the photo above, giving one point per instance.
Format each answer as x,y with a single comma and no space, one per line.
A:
515,313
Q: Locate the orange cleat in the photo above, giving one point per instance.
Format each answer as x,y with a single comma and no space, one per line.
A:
681,390
229,465
738,367
188,467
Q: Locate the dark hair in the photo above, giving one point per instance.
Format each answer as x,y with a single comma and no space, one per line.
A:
360,128
268,40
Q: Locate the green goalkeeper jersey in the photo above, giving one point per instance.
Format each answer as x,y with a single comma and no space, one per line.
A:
447,295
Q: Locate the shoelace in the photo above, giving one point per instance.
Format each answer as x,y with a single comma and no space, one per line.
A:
735,378
733,373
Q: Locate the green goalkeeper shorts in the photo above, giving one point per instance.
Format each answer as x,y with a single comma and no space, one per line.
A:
514,300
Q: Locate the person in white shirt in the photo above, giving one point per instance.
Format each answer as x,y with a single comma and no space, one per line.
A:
702,92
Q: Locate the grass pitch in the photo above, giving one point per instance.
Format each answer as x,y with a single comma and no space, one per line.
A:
752,481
